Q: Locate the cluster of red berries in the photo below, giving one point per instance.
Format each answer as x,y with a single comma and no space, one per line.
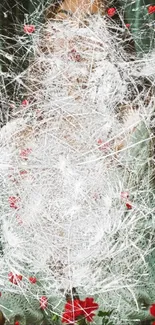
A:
15,278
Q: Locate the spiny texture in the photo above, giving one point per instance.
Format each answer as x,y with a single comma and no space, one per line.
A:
17,306
145,294
76,203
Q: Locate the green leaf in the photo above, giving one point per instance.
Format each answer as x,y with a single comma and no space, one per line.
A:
101,313
104,313
55,318
105,321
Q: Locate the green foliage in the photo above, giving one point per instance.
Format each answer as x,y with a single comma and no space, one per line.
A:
139,152
56,319
105,317
26,310
146,295
141,24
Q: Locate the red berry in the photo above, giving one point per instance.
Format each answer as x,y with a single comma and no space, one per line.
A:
152,310
129,206
99,141
111,12
32,280
25,102
29,29
16,323
127,25
43,302
151,9
14,278
19,277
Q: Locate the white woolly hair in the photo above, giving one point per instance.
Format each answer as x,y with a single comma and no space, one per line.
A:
84,124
